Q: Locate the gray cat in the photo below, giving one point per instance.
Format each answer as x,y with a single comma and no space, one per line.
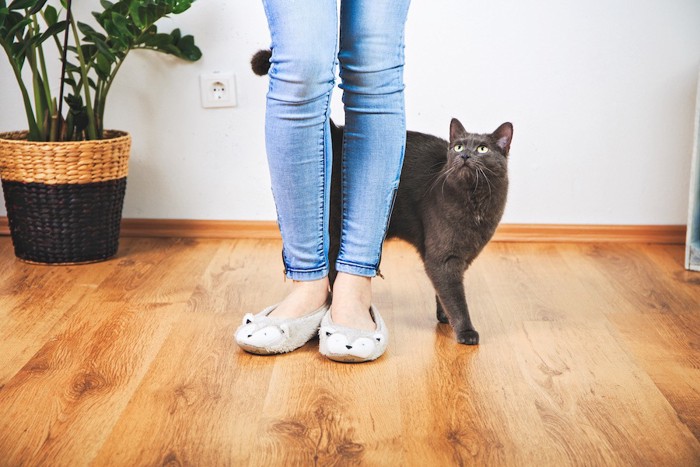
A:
450,200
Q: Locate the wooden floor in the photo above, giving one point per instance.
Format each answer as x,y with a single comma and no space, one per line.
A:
590,355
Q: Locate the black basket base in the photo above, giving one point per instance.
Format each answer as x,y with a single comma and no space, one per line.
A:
64,224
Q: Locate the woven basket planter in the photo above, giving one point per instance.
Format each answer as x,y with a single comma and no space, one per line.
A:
64,200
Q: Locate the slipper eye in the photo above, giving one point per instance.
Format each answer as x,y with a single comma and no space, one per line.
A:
328,333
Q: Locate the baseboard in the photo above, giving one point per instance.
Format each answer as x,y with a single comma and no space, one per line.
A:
668,234
199,228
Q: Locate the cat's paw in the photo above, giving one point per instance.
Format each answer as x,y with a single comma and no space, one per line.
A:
468,337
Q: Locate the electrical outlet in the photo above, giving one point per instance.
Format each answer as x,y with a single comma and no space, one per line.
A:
217,89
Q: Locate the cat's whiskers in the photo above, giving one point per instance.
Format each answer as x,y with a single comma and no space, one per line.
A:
480,167
443,175
487,169
442,189
437,164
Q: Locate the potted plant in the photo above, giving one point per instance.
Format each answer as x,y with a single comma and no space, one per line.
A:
64,178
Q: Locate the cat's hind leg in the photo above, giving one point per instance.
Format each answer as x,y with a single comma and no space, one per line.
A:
441,315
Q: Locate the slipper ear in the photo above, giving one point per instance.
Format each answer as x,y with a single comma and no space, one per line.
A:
248,318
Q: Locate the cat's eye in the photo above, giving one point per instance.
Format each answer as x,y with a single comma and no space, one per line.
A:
459,147
482,149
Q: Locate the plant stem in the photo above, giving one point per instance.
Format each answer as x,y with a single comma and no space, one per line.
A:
34,132
63,50
51,130
37,86
91,128
108,85
45,77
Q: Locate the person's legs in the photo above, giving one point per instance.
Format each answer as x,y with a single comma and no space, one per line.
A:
297,137
371,60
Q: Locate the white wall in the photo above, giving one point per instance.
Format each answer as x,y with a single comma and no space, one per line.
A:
601,94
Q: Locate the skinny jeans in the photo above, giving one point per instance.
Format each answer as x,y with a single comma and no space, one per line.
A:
309,41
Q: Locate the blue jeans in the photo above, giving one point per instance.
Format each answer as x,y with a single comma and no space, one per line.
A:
305,52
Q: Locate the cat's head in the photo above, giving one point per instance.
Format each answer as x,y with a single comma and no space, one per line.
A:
472,155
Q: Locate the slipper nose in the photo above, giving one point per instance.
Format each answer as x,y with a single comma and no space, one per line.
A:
348,347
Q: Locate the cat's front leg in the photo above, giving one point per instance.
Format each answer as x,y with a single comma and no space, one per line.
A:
447,277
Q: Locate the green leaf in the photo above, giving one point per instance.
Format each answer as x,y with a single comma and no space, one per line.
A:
26,43
18,57
53,30
106,4
103,48
72,68
136,14
189,50
50,15
88,30
22,4
157,41
102,66
37,7
181,5
17,29
122,25
4,13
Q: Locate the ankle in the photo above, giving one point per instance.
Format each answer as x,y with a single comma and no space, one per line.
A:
349,286
318,287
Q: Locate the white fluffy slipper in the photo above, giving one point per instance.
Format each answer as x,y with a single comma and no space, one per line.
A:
263,335
350,345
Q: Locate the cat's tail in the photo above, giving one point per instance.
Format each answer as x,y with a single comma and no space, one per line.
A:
260,63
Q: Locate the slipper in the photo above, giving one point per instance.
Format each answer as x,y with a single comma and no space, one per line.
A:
261,334
349,345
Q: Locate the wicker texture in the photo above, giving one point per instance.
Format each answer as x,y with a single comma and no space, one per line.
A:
64,162
64,200
65,223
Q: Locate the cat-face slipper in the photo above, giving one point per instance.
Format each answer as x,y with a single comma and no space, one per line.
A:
264,335
350,345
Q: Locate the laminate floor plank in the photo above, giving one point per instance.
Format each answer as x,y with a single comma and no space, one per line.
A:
663,337
201,399
197,405
36,298
588,356
64,402
559,341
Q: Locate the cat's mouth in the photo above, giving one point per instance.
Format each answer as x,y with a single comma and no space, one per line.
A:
465,166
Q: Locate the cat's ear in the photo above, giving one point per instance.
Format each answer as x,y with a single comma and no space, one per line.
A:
503,136
457,131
